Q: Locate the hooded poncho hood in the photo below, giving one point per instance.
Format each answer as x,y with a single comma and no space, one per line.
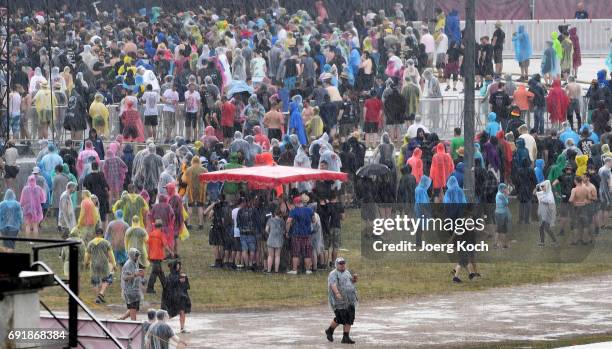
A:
421,196
454,194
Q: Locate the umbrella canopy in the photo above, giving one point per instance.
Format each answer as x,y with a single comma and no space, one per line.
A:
239,86
270,176
373,170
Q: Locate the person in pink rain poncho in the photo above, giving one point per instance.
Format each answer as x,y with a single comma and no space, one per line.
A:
84,157
162,210
32,198
114,170
133,129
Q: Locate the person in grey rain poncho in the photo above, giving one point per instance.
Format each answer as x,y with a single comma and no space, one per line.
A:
166,177
322,141
137,162
333,162
170,157
342,297
160,333
254,113
148,173
131,282
238,66
239,144
302,160
384,153
254,149
432,90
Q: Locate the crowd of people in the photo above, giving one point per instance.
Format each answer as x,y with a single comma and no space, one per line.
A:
288,88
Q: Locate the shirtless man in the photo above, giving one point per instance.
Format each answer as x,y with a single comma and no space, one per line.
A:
274,121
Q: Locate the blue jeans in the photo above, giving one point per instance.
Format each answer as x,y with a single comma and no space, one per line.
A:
248,243
538,114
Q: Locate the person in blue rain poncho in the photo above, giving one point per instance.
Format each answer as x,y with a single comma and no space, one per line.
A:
492,126
550,67
454,198
539,170
458,173
478,154
48,162
522,51
452,28
296,124
11,218
502,215
421,202
354,62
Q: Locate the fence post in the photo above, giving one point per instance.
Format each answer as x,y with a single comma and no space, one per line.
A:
73,282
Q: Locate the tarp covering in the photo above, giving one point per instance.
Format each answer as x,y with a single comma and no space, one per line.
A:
491,10
270,176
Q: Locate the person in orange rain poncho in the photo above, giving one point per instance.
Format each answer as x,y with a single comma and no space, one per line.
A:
89,217
441,167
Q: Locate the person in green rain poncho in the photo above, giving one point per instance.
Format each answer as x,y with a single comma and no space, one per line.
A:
132,205
71,178
136,237
101,260
74,235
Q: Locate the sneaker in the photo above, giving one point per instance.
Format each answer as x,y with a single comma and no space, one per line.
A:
151,292
308,272
183,330
239,266
472,276
347,340
540,244
292,272
447,88
329,334
455,89
98,301
457,280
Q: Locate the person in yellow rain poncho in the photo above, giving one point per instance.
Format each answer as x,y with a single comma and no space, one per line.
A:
100,258
74,235
132,205
440,22
581,162
127,65
99,115
196,190
314,126
136,237
89,217
44,101
557,45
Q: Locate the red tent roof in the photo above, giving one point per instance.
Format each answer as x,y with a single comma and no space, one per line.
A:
270,176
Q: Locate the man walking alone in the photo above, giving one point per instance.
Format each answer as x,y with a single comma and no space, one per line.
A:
342,299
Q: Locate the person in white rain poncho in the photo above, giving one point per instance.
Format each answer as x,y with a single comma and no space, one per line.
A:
302,160
138,159
547,210
35,81
322,141
166,177
88,58
254,149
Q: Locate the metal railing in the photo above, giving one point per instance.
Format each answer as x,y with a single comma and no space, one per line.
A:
76,298
72,289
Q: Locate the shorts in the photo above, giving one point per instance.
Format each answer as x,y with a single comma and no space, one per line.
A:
497,55
301,246
150,120
215,236
9,233
96,281
345,316
44,116
440,60
452,69
10,171
582,216
130,132
333,239
502,223
236,244
228,132
134,305
370,127
15,124
275,133
248,243
191,119
524,64
169,119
